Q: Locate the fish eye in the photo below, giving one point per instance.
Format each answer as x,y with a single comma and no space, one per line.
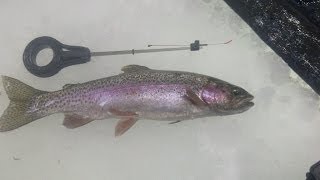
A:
236,92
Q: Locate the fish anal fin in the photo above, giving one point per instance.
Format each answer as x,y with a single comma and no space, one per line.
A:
134,68
124,125
72,121
194,98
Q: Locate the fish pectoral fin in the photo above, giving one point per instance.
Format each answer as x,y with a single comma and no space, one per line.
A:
194,98
72,121
124,125
120,113
134,68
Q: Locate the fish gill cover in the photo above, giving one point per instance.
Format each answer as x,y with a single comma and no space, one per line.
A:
291,28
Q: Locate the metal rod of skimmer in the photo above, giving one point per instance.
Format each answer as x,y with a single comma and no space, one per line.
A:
192,47
134,51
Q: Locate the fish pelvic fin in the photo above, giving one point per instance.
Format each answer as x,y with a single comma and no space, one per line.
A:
124,125
20,95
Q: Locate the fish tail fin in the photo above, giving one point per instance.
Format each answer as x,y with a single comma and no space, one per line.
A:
20,95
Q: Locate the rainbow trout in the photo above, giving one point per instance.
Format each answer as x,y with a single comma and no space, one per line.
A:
137,93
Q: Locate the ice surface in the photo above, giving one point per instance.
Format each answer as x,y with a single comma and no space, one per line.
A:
295,77
277,139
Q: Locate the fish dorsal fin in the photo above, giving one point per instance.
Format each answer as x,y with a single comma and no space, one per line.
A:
68,86
134,68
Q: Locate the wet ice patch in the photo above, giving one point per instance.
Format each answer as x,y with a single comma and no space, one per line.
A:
295,78
207,1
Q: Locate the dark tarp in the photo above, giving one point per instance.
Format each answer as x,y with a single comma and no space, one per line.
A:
291,28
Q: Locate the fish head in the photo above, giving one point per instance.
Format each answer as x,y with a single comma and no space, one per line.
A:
225,99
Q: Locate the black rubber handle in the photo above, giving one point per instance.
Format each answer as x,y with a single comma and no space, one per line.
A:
314,173
63,56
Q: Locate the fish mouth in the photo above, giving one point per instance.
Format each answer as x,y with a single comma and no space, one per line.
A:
246,103
239,106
